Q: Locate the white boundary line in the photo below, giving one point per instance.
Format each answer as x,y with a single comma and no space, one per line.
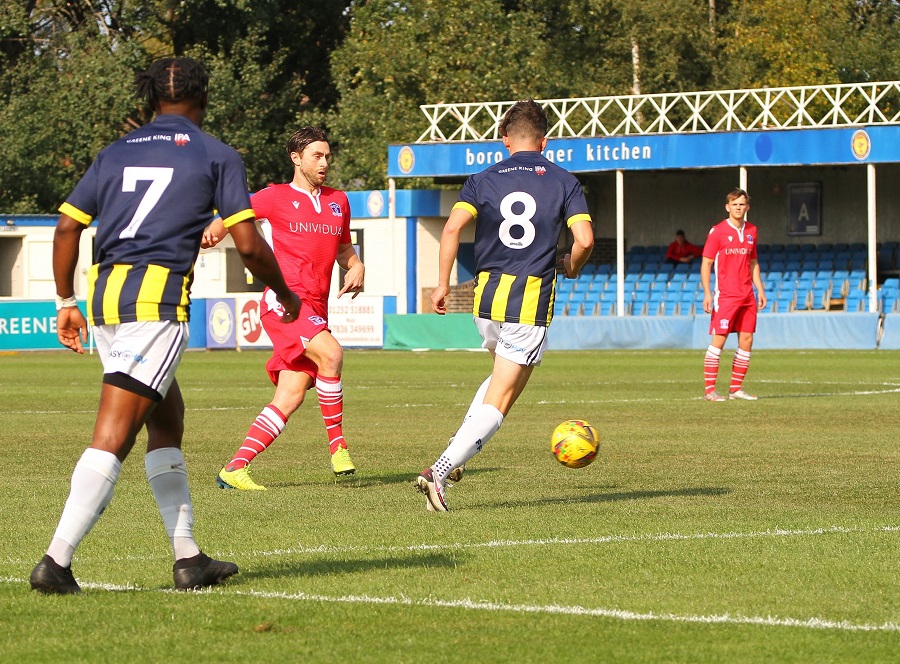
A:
486,605
460,546
607,539
573,610
851,393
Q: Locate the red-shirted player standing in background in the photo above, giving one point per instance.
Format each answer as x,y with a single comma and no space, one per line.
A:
308,226
731,247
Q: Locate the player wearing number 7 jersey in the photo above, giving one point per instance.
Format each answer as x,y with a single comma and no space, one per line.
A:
152,192
519,207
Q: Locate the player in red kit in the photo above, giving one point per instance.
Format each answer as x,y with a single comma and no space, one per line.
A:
308,226
731,248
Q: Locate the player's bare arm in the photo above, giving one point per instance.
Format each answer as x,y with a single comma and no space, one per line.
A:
756,275
705,276
356,271
459,218
259,259
582,246
71,326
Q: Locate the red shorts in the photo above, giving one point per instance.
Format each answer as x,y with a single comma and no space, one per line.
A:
733,316
289,341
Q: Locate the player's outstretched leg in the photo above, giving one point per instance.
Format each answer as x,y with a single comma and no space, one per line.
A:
267,426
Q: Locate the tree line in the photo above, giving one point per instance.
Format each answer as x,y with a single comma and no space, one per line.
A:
361,68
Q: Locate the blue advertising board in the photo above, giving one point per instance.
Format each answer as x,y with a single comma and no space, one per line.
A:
877,144
29,325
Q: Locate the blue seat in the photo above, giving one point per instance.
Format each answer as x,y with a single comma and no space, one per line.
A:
840,281
854,302
821,298
606,308
784,304
565,287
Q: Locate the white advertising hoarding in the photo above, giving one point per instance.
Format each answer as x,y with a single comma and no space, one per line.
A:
355,322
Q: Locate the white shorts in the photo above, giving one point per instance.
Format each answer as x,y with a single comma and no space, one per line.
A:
522,344
149,352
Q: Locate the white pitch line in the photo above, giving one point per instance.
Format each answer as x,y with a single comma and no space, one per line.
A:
487,605
576,610
568,541
606,539
851,393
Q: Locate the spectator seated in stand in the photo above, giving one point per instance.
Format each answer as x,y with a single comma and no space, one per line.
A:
682,251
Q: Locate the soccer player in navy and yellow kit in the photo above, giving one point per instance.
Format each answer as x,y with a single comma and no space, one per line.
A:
519,207
152,193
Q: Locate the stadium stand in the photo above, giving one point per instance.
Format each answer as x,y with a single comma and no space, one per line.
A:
797,277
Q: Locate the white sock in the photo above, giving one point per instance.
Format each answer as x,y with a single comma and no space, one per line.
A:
167,475
93,482
471,437
478,399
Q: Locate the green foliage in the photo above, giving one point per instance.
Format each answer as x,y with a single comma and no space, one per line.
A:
362,68
60,112
400,55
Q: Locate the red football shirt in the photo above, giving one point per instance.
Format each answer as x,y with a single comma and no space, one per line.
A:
732,250
304,231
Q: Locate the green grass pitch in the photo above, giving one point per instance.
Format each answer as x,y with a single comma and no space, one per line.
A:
704,532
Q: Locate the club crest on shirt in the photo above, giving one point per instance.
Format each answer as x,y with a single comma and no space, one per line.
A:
749,239
730,238
336,209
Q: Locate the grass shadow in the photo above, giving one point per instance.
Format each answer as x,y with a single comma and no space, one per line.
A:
363,480
323,567
618,496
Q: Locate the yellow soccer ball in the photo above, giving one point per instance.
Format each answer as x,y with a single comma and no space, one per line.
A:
574,443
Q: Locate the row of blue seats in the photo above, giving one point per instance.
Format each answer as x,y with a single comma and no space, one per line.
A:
839,280
787,257
783,297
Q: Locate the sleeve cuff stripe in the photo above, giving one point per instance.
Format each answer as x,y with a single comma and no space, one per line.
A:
462,205
76,214
243,215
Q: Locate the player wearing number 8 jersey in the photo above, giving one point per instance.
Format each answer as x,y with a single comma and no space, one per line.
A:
519,207
152,192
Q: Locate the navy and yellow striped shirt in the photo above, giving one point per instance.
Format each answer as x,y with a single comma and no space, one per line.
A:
520,206
153,192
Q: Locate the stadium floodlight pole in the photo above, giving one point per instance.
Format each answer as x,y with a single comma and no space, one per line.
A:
392,223
620,242
873,258
742,178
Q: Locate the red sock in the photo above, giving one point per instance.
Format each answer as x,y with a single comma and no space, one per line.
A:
711,368
267,426
331,403
739,368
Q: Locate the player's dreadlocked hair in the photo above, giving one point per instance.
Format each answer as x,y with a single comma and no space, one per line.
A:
303,137
173,80
525,119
